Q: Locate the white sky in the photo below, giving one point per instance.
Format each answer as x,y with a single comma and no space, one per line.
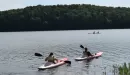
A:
14,4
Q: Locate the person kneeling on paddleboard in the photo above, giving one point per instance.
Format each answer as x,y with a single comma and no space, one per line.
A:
51,58
86,53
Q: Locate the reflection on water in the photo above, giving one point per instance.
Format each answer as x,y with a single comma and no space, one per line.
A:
17,51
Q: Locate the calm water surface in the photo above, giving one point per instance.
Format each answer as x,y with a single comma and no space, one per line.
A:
17,51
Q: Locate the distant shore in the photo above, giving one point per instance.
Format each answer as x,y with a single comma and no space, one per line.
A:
64,17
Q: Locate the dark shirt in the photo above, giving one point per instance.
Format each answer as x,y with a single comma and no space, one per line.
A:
87,53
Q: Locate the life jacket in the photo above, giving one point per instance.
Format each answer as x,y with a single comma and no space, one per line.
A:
87,53
50,58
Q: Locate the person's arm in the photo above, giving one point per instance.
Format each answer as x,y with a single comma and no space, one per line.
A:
46,58
55,59
91,54
83,52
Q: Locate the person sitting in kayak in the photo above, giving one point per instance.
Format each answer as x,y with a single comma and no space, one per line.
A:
86,53
51,58
94,32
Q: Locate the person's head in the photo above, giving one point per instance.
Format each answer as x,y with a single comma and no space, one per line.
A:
86,49
51,54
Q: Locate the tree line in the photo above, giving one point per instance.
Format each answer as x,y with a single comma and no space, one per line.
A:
64,17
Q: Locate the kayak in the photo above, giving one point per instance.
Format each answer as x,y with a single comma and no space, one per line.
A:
90,57
52,65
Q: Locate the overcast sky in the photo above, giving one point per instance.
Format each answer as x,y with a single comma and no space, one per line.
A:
14,4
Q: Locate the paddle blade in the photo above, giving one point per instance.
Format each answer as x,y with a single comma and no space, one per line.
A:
81,46
38,54
69,62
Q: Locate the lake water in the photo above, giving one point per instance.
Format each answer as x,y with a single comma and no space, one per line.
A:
17,51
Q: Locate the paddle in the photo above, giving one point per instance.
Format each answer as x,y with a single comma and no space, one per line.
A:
39,55
81,46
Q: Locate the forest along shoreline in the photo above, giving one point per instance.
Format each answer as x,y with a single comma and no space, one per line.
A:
64,17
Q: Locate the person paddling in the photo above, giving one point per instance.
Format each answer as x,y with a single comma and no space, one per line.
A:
51,58
98,32
94,32
86,53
